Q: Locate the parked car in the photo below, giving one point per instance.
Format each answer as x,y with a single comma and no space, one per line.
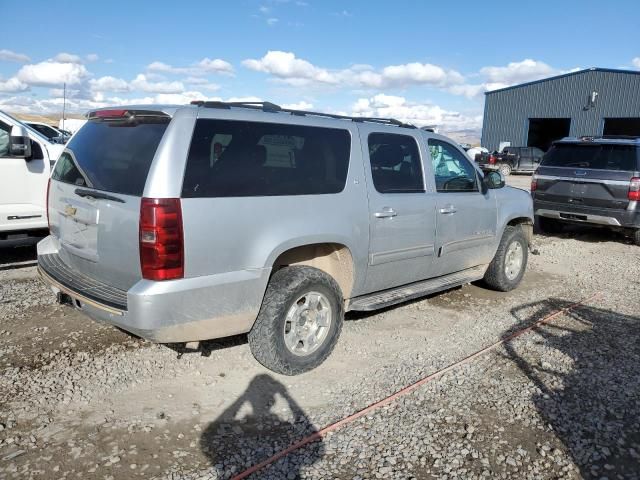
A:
185,223
52,133
589,180
512,160
26,157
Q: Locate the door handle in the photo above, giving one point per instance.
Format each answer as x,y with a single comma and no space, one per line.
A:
387,212
448,210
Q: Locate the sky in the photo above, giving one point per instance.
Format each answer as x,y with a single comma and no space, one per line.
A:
424,62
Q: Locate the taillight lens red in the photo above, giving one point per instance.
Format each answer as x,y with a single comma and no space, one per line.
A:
47,205
492,159
534,182
161,239
634,190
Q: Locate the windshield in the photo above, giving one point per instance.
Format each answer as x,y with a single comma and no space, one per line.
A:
592,156
111,156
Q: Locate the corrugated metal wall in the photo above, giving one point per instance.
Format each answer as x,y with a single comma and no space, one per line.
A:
507,112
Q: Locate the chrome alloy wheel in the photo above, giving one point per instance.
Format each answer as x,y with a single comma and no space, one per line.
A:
307,323
513,260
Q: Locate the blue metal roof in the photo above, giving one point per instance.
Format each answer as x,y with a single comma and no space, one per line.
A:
577,72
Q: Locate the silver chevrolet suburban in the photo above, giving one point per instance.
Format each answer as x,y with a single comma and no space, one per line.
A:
186,223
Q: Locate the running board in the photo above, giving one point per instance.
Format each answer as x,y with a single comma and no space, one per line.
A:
404,293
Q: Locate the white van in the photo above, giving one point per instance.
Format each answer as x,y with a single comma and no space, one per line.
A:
26,160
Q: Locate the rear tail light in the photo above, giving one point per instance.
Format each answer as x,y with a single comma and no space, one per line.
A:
47,205
634,189
161,239
534,182
492,159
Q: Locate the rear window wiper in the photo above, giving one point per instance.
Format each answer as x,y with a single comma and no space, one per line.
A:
83,192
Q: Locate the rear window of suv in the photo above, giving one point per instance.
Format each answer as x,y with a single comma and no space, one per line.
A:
593,156
239,159
111,156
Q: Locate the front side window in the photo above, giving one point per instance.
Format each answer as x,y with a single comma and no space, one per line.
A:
244,159
4,139
395,163
452,171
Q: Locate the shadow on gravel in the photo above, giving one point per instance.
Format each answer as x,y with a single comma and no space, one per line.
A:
207,347
250,431
594,407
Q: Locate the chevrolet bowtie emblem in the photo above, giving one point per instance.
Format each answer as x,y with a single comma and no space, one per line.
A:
70,211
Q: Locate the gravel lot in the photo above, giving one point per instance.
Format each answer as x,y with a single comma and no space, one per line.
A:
83,400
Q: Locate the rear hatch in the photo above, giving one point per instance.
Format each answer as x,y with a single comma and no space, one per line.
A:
95,194
587,174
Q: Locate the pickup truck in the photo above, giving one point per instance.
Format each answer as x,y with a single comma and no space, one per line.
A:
511,160
26,160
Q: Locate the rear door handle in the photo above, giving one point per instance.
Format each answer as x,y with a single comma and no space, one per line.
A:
448,210
387,212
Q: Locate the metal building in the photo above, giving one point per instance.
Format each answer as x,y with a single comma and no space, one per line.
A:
596,101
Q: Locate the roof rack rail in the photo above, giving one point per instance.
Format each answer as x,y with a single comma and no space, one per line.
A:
272,107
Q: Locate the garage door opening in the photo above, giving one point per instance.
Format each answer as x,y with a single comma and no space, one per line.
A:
622,126
544,131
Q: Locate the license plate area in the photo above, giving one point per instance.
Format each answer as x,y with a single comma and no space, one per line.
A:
573,216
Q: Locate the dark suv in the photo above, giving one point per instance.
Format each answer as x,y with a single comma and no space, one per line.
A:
590,180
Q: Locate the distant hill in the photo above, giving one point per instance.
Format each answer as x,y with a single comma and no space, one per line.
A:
51,119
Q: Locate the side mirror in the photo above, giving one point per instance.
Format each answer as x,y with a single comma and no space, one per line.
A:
493,179
19,142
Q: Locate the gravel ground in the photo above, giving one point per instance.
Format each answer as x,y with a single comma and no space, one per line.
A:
84,400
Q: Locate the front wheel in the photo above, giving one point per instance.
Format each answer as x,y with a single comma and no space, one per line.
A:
507,268
299,322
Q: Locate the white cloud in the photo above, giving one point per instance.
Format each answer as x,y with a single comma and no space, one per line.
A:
93,57
12,85
51,73
301,105
419,114
271,21
67,58
141,82
109,84
287,68
203,67
519,72
636,62
10,56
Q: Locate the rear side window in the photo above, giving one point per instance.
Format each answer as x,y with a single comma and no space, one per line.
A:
594,156
244,159
111,156
395,163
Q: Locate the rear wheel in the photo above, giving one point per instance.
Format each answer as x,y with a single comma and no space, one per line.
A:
549,225
510,261
504,169
299,322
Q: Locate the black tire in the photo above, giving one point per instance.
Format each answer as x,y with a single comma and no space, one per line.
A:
495,277
636,237
549,225
266,338
504,169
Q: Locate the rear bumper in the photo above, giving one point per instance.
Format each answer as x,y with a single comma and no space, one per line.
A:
589,215
190,309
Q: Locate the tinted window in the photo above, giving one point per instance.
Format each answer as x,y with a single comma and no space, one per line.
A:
453,172
240,159
4,139
395,163
601,157
111,156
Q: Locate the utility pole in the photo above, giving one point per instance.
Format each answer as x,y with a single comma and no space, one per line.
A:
64,102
